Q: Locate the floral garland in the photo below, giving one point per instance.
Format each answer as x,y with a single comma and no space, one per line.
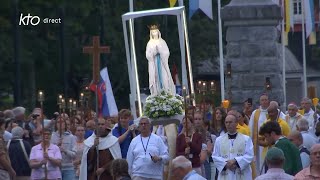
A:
163,105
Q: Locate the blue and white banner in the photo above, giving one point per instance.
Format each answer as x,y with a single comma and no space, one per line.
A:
204,5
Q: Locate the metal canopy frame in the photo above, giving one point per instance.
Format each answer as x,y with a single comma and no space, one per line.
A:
179,12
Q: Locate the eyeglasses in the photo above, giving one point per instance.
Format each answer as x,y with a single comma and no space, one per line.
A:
144,124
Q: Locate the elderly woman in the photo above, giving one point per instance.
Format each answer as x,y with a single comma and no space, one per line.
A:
19,151
45,159
147,154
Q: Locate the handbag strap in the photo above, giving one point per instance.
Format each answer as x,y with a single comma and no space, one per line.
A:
24,150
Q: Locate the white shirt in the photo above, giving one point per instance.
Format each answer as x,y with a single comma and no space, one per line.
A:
292,121
308,139
193,175
7,136
309,117
139,160
305,158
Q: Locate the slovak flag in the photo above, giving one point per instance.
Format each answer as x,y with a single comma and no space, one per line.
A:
106,102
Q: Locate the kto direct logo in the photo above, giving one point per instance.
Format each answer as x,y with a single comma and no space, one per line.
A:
35,20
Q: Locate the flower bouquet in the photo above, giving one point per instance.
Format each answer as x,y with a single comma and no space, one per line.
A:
164,108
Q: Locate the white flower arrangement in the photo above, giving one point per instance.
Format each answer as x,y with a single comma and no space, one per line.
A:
163,105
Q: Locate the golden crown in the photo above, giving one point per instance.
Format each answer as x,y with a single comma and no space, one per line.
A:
154,26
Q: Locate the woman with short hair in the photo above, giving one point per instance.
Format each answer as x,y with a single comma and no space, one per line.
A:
45,159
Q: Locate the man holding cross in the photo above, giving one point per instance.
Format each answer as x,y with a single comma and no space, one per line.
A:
109,149
101,147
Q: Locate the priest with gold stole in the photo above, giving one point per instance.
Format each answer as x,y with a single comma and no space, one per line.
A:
233,153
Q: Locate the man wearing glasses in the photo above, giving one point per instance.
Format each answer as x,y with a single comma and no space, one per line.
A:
147,154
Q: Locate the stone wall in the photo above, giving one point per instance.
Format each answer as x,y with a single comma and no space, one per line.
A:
252,49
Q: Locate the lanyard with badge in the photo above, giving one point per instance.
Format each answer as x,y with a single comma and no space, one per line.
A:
145,148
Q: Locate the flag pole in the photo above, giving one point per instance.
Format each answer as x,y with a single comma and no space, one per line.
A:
304,52
221,52
283,58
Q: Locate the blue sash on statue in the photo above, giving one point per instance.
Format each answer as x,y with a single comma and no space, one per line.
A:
159,70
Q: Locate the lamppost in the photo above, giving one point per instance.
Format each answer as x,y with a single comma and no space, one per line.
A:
63,107
267,84
229,80
69,107
59,102
82,106
205,90
74,109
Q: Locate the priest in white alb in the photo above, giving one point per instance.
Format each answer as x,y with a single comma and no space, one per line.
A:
233,153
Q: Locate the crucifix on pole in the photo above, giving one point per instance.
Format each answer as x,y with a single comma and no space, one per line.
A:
96,50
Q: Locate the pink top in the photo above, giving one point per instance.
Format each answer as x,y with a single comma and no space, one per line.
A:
305,174
37,154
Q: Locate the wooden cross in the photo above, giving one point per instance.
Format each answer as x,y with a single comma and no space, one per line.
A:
96,50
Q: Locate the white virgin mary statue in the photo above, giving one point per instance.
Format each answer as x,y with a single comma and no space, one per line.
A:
157,53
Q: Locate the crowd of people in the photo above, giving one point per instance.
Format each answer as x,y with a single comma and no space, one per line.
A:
220,143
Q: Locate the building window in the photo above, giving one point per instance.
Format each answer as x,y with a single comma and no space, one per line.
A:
297,11
297,7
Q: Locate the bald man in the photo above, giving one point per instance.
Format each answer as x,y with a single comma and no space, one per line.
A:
275,115
313,171
296,138
182,169
275,104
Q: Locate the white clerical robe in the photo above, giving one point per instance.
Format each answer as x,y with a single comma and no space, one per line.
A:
309,117
240,149
109,142
258,156
292,121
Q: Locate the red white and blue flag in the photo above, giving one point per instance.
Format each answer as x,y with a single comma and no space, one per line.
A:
106,103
